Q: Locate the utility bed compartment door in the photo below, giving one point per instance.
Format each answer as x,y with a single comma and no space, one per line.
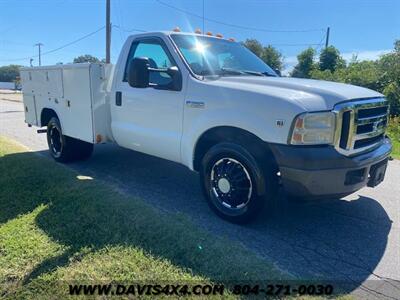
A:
29,99
77,105
44,83
30,109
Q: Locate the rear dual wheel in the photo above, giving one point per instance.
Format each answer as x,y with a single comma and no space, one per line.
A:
64,148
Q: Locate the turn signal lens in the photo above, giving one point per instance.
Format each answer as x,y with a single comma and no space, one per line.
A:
176,29
218,35
198,31
209,33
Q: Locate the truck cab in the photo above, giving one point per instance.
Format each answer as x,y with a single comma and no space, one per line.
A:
213,106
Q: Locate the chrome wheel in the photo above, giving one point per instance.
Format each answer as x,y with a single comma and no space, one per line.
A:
56,143
231,183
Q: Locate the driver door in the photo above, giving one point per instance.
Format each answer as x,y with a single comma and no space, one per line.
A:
149,119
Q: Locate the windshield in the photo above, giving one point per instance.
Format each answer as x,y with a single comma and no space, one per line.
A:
212,56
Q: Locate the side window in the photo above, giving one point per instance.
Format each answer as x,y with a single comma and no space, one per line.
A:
158,57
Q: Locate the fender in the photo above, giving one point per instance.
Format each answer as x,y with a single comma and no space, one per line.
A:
222,118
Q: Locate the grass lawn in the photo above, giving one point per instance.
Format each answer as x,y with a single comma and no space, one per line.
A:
57,227
394,133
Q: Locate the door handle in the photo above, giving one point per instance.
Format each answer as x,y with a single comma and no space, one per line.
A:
118,98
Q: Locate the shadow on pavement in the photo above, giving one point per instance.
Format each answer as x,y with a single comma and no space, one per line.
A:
332,240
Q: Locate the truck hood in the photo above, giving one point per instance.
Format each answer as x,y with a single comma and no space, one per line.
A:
310,94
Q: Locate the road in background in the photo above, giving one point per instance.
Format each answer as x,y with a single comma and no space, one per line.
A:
355,240
10,95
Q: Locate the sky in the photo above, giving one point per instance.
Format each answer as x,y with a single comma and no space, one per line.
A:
367,28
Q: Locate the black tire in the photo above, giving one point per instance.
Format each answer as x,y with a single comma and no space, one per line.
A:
64,148
236,183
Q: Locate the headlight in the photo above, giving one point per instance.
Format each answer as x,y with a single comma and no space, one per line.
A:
313,129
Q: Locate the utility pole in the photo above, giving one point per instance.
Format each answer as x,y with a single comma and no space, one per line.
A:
327,37
108,33
40,52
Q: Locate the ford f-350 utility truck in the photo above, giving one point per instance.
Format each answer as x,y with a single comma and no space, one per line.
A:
213,106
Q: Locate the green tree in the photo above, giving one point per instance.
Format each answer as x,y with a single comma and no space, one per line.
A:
272,57
389,66
392,93
305,64
254,46
382,75
330,59
361,73
86,58
397,46
9,73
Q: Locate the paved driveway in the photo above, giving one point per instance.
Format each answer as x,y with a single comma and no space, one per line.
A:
355,239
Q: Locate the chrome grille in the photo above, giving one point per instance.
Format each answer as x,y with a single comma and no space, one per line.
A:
361,125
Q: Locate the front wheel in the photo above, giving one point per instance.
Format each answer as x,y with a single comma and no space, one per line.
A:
235,183
64,148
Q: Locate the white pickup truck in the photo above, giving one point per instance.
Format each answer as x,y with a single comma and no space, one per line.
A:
213,106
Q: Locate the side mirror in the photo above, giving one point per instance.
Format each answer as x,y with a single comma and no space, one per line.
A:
277,71
138,72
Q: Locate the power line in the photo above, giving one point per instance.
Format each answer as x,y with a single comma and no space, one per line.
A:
320,44
75,41
130,30
120,19
203,17
282,45
59,48
14,43
18,59
8,29
230,24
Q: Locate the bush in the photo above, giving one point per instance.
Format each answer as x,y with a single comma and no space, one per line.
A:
382,75
392,93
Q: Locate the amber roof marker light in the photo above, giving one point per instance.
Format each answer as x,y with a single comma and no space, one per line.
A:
208,33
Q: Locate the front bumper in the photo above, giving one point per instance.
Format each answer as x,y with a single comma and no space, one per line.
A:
317,171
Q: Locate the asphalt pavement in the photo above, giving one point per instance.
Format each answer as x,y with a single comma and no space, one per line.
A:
355,240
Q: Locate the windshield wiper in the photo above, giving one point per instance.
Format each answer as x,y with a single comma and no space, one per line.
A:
259,73
270,74
255,73
229,71
242,72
